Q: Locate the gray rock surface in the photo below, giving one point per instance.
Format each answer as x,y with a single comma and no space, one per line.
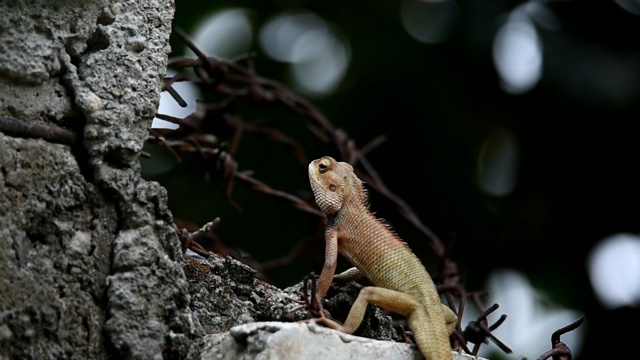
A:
275,340
54,254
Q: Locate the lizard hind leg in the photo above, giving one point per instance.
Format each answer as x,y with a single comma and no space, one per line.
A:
398,302
450,318
404,304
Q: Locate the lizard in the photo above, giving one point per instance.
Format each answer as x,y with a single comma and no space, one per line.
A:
401,283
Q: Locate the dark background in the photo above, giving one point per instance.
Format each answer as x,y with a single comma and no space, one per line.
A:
436,105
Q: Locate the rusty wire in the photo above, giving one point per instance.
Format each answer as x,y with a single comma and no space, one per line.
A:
235,82
238,82
38,130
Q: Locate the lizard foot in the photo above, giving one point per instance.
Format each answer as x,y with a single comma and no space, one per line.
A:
311,303
404,335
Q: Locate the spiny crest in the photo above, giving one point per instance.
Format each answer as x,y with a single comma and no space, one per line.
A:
361,191
390,229
358,187
365,195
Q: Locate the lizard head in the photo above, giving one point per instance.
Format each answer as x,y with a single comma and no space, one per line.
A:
334,183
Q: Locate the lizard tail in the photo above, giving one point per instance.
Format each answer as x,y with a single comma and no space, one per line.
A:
430,340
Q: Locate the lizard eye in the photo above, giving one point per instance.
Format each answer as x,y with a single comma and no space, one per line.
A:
322,167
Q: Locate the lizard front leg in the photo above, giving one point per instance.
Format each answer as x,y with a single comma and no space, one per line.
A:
322,284
330,263
329,269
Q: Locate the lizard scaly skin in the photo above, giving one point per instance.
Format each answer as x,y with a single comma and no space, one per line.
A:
402,284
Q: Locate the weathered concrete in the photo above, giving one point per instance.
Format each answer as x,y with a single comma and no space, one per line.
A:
90,266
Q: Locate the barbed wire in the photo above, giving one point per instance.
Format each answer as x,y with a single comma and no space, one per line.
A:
236,82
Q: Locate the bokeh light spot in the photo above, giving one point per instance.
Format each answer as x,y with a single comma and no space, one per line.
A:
517,53
317,52
614,270
224,34
632,6
279,35
429,21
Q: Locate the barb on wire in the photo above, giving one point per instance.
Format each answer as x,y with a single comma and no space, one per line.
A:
479,331
560,351
189,240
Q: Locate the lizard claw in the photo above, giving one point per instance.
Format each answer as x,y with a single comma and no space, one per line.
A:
311,303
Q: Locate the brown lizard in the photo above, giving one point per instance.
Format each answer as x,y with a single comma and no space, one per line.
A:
402,284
